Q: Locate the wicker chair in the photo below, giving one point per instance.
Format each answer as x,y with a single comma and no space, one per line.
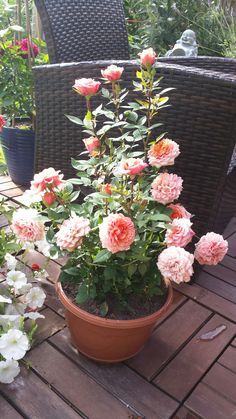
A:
81,30
202,119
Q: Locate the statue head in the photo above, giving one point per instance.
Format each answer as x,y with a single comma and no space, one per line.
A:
189,37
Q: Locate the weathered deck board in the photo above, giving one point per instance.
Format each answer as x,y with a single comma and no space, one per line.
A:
228,359
217,286
7,411
12,193
189,365
168,338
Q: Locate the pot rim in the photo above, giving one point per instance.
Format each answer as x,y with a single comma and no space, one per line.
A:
110,323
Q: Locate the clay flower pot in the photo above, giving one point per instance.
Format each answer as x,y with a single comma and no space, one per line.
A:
107,340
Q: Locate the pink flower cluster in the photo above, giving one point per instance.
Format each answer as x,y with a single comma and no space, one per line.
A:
112,73
147,57
178,211
86,87
71,233
25,45
47,179
163,153
166,187
92,145
27,225
176,264
180,233
117,233
211,249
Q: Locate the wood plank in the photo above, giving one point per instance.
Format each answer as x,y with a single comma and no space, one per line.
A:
228,359
7,411
229,262
222,381
51,267
209,299
217,286
190,364
184,413
222,272
4,179
232,245
230,228
124,383
52,300
178,300
3,221
35,399
208,404
76,386
233,343
48,326
7,185
168,338
12,193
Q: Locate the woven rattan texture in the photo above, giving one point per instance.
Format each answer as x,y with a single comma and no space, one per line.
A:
202,119
84,30
219,64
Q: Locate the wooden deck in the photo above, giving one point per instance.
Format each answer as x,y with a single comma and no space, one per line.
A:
177,375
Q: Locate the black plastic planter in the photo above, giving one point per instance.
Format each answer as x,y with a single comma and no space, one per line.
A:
18,147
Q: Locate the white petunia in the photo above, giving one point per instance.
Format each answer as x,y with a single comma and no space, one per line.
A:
26,288
28,246
30,197
11,261
35,298
4,299
15,309
40,275
16,279
14,344
10,321
43,247
8,371
34,315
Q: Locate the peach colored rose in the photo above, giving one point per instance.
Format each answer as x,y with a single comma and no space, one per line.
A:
2,122
71,233
47,179
179,211
211,249
176,264
117,233
27,225
163,153
86,87
147,57
180,233
49,198
106,188
92,144
166,187
132,166
112,72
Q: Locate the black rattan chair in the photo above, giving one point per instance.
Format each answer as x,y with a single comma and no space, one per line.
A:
81,30
202,119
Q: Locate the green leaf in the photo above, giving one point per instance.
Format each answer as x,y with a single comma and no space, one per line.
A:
102,256
132,269
74,119
72,271
82,294
142,268
104,309
16,28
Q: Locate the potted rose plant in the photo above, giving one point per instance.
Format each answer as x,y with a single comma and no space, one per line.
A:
17,102
125,243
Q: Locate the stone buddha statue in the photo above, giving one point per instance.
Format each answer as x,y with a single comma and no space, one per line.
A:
186,46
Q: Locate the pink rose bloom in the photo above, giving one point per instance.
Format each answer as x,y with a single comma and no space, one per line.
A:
112,72
48,178
176,264
163,153
147,57
71,233
166,187
86,87
179,211
117,233
180,233
92,144
49,198
211,249
24,47
27,225
132,166
107,188
2,122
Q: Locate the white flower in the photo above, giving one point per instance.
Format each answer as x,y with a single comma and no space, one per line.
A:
28,246
11,261
16,279
8,371
15,309
40,275
26,288
30,197
35,298
14,344
10,320
34,315
4,299
43,247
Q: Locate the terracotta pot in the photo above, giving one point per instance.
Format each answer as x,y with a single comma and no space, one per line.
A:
107,340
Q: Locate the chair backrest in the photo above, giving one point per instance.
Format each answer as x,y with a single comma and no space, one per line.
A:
218,64
84,30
